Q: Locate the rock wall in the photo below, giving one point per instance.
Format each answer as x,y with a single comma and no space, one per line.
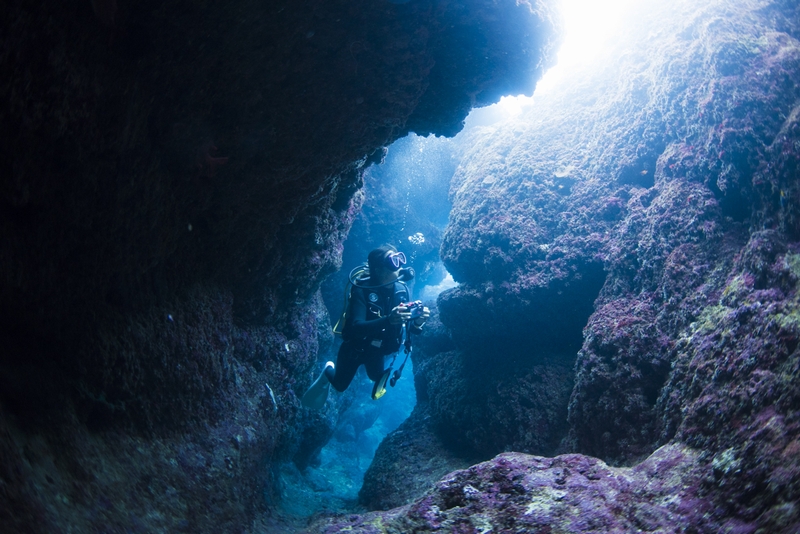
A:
627,254
177,179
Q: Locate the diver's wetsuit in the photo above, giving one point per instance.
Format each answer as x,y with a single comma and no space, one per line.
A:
368,335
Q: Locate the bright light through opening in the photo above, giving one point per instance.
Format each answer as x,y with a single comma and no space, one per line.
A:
588,26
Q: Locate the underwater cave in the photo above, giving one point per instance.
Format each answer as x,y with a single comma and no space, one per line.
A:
599,201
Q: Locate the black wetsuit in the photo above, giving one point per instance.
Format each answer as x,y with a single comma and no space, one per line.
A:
368,335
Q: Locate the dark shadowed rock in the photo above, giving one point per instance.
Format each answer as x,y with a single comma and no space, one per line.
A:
406,464
177,179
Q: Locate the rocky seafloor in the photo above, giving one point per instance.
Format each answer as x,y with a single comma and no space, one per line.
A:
626,320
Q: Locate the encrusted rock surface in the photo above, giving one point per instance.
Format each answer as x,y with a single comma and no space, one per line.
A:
516,492
177,179
406,462
653,202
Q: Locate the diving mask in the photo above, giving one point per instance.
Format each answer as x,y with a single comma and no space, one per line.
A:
394,260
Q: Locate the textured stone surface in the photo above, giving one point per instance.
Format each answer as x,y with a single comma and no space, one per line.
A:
653,201
570,493
734,385
177,179
405,464
655,196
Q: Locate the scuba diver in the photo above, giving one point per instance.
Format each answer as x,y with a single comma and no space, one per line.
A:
378,320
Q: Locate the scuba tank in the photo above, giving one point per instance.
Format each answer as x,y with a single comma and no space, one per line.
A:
359,277
359,273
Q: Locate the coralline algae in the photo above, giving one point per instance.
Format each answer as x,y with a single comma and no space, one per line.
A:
670,169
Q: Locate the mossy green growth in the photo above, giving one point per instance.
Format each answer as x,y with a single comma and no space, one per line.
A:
736,290
710,319
376,522
482,523
793,262
789,316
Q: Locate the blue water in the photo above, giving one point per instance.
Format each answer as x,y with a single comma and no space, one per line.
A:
333,482
405,196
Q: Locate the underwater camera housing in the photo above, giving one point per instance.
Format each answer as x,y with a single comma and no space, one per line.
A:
415,308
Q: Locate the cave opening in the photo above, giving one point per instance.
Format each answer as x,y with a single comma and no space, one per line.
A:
406,205
408,202
179,183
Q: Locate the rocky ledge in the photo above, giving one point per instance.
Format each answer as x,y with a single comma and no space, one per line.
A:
517,492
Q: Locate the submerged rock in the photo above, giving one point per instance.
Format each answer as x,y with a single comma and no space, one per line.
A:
571,493
406,462
638,221
177,180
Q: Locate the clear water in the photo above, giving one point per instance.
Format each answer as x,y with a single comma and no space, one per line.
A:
332,484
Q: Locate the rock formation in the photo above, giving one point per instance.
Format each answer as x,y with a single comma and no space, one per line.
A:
627,253
516,492
177,179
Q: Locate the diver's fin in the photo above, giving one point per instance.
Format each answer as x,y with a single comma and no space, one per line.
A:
379,389
317,394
